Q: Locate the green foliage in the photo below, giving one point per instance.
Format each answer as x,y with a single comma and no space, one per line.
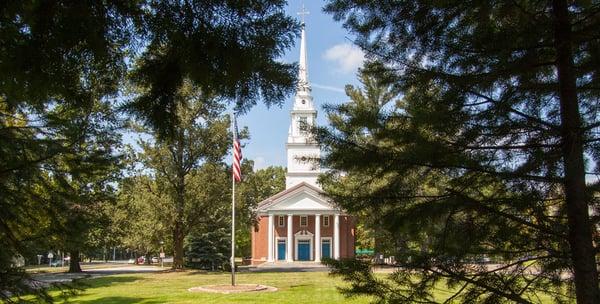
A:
85,178
474,158
256,186
62,61
58,170
209,250
224,47
139,218
187,180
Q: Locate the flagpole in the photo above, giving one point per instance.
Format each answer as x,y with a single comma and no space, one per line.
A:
233,216
233,232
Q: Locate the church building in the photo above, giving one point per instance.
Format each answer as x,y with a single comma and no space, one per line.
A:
301,223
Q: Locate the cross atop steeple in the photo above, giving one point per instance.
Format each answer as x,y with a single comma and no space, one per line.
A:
303,13
300,144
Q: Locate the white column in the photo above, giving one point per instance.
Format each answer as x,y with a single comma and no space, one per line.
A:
317,238
290,238
336,236
270,239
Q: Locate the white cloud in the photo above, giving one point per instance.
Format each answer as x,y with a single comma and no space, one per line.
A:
347,57
328,88
259,163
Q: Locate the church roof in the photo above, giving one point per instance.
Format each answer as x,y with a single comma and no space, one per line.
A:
302,196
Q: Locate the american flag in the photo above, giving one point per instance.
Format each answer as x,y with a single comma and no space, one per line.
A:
237,153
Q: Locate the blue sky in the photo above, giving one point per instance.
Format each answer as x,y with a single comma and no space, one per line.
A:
332,63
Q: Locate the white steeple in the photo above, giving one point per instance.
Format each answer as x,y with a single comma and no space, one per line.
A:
301,148
303,98
303,84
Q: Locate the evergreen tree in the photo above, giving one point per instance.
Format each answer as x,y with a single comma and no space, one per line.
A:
226,47
456,181
45,63
84,177
209,250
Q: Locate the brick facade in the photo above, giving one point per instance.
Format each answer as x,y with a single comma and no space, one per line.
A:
260,234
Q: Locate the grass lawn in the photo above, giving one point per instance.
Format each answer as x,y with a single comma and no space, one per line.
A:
171,287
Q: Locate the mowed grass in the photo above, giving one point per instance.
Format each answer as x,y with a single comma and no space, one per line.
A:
172,287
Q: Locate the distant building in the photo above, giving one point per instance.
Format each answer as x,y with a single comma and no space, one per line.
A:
301,223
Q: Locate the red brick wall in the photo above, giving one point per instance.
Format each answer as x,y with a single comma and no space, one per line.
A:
347,236
327,231
279,231
259,241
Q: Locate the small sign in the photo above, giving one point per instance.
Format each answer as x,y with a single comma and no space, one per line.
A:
162,255
50,255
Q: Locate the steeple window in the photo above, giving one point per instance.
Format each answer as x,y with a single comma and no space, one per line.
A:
302,124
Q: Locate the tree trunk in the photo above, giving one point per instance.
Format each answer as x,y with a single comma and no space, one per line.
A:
580,229
178,245
178,230
74,263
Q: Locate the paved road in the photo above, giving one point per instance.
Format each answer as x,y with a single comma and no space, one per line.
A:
125,269
97,271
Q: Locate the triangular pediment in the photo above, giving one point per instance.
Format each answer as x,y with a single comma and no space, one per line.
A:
303,233
302,197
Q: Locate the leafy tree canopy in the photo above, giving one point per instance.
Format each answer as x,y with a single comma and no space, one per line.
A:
60,60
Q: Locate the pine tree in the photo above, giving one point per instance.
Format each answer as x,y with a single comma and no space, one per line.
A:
455,182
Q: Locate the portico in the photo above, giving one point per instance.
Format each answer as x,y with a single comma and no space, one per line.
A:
300,224
304,244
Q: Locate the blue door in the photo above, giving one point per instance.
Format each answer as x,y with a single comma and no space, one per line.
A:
280,250
303,250
326,248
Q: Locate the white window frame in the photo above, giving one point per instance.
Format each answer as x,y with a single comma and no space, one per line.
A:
326,222
280,221
284,239
330,239
305,217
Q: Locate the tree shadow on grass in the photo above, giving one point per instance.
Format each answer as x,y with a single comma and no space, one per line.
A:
106,281
118,300
204,272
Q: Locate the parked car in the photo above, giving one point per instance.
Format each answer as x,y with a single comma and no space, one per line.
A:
141,260
131,261
57,263
154,260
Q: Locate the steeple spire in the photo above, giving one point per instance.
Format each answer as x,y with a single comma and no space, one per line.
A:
303,84
301,146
